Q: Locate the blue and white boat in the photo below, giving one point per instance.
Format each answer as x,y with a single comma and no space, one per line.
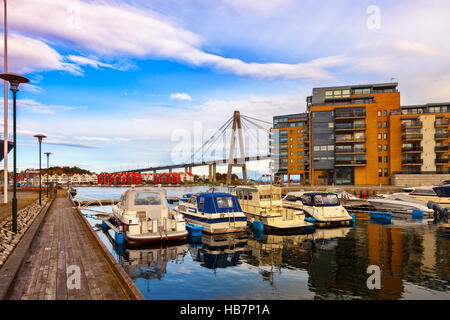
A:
215,212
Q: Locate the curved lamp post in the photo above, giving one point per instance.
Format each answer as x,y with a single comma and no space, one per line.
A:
40,137
48,155
14,80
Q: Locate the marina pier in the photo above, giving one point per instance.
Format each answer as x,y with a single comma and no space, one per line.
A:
64,260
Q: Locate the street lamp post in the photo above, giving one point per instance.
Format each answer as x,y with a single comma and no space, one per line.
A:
48,155
40,137
14,80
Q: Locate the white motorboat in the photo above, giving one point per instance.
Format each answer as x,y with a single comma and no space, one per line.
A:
400,203
144,216
215,212
324,207
263,203
439,194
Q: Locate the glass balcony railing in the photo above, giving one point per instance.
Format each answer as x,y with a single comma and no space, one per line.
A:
441,148
412,161
350,139
441,135
441,160
441,123
350,126
350,114
349,150
412,124
412,149
350,162
412,136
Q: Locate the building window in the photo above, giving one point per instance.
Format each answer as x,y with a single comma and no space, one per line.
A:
298,131
379,124
385,136
380,147
385,124
380,172
385,147
385,113
385,172
291,153
301,146
290,131
290,139
379,136
380,159
290,146
379,113
298,146
385,159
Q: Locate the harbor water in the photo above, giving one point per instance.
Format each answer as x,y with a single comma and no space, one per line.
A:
413,256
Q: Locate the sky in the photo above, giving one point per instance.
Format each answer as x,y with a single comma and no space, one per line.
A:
117,85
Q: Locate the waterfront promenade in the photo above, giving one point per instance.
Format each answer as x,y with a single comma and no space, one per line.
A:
65,243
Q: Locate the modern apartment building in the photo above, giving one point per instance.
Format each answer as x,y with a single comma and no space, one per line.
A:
290,143
361,135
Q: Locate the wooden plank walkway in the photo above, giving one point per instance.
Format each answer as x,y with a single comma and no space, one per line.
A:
64,240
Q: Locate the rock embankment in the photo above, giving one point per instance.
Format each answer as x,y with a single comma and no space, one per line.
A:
25,217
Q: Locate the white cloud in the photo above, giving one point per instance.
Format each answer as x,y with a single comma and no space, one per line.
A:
181,96
137,32
37,107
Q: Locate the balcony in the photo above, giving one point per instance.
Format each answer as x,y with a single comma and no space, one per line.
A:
441,123
441,135
412,136
350,150
339,163
349,126
440,148
414,149
412,124
353,115
412,162
441,161
349,139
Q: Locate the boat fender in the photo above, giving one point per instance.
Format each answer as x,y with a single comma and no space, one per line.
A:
118,237
258,225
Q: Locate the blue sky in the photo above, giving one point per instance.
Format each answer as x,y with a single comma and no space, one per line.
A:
117,85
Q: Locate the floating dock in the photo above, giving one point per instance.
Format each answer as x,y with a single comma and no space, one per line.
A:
66,260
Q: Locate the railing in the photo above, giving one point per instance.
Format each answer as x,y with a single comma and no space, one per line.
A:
350,150
441,148
412,136
350,162
441,123
441,135
350,114
349,126
412,161
412,124
412,149
441,160
347,139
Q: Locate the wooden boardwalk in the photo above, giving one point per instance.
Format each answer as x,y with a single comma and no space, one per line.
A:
64,240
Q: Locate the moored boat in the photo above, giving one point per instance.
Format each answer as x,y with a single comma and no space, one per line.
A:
400,203
324,207
215,212
263,203
439,194
144,216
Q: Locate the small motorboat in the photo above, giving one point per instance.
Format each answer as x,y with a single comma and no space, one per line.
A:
439,194
263,204
324,207
144,216
215,212
400,203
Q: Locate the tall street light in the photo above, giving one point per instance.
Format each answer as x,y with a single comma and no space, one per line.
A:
48,155
40,137
5,106
14,80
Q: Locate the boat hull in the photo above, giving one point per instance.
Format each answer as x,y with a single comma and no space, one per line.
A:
217,225
276,224
156,237
398,207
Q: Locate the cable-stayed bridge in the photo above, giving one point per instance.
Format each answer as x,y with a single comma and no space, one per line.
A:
230,138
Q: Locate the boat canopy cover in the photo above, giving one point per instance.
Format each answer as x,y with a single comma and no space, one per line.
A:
217,202
442,191
320,199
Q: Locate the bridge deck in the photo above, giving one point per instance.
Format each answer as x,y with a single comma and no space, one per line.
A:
64,240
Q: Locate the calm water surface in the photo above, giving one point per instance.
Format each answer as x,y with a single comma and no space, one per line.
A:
414,257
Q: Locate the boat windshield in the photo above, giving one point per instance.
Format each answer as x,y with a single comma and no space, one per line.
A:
224,202
147,199
326,200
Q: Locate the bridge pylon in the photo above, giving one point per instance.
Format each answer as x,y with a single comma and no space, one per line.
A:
237,127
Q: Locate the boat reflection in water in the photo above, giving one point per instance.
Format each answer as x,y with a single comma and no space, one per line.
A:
220,250
144,264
